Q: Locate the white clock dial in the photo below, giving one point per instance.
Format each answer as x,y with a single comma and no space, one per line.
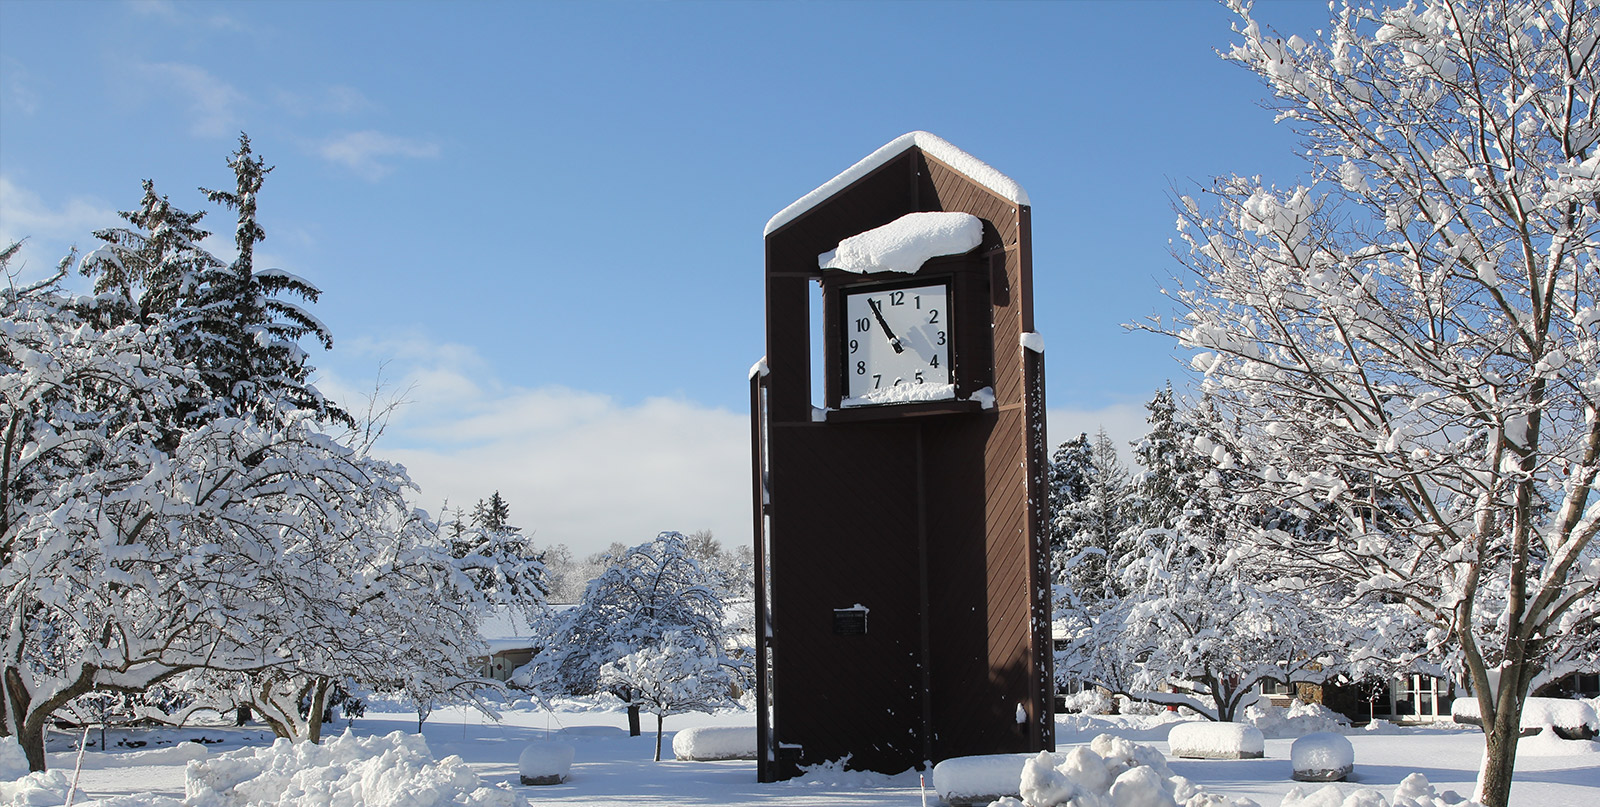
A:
896,345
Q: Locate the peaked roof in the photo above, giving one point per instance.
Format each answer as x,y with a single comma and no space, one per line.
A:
973,168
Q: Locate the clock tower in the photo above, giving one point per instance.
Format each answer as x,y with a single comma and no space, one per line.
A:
902,566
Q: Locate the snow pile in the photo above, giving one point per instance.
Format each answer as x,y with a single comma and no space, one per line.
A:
1216,741
13,762
932,145
703,743
1296,721
1110,772
1413,791
1322,756
906,243
396,770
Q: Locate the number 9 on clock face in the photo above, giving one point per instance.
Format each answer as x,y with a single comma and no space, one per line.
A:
894,338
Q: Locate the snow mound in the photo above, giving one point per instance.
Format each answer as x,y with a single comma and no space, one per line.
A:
1296,721
396,770
49,789
1413,791
902,393
906,243
1322,756
13,762
1216,741
704,743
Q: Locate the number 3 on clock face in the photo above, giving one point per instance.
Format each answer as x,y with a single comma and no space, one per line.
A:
897,337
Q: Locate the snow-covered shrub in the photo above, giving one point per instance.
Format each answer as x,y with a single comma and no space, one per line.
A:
1298,720
395,770
1089,702
545,763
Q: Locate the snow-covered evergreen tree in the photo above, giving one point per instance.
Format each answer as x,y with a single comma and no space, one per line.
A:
1091,497
1420,319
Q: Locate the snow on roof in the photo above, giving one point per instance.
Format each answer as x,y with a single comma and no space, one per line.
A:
906,243
975,169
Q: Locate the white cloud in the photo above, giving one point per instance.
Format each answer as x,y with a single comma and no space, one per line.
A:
49,231
576,467
336,99
370,153
211,101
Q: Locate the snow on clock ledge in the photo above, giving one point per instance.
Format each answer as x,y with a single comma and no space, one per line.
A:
917,393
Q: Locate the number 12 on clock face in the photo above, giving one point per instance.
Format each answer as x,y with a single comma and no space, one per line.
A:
896,337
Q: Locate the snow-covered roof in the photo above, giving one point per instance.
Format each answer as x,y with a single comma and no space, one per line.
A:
906,243
973,168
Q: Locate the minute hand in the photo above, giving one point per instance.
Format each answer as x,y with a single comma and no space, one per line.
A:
877,311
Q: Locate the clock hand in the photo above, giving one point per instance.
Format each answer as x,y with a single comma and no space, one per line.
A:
894,341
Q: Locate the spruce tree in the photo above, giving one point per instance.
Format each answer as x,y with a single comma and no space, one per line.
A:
248,350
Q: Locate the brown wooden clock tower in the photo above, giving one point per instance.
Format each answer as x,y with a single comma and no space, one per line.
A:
902,576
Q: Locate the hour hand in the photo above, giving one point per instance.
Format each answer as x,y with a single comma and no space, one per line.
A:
877,311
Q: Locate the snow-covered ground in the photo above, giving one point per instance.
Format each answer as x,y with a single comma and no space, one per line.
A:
613,769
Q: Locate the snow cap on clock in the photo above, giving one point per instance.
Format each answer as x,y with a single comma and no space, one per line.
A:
906,243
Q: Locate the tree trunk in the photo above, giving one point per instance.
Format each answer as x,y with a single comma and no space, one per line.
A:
1500,749
319,708
658,737
633,720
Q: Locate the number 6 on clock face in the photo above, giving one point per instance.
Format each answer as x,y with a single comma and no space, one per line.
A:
897,337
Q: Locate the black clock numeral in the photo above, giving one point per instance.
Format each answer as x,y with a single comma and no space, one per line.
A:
877,380
861,368
897,298
918,300
933,316
897,382
919,372
941,337
934,362
864,325
854,345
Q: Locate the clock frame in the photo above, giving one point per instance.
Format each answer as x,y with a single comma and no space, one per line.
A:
893,335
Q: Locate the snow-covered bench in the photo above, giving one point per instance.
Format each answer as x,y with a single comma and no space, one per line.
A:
1568,719
980,780
1322,756
706,743
1216,741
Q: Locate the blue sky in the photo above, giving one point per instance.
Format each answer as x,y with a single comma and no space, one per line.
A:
543,220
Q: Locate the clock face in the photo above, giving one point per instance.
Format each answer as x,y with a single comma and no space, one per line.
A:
896,345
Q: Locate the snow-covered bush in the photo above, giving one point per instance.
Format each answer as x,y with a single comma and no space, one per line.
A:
395,770
1092,701
679,674
1299,719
